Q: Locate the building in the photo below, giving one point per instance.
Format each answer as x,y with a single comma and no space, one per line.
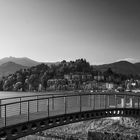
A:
99,77
78,77
109,86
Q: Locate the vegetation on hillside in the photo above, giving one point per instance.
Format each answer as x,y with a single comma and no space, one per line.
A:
31,78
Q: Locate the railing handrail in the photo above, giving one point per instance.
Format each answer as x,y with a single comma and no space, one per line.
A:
61,93
65,95
29,100
44,94
16,97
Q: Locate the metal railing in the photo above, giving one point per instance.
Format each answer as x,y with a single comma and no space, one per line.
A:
22,98
42,106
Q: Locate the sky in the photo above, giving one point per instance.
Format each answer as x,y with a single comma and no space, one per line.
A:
101,31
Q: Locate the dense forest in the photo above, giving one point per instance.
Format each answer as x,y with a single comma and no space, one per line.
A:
31,78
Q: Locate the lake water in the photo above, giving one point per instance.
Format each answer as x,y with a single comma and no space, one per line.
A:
36,109
21,94
73,104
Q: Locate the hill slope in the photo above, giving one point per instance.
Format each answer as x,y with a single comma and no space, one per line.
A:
21,61
9,68
138,66
122,67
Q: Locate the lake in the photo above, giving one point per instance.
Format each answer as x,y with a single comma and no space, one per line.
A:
40,108
6,94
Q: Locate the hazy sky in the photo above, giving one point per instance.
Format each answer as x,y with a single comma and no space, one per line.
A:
102,31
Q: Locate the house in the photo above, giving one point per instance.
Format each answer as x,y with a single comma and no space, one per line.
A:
56,84
68,76
99,77
78,77
109,86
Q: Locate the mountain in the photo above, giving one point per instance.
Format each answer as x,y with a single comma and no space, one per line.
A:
9,68
123,67
138,66
24,61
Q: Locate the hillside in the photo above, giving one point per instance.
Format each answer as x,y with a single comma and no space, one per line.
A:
24,61
138,66
122,67
9,68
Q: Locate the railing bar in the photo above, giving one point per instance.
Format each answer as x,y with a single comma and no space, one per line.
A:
65,99
138,103
5,116
115,101
37,104
125,98
40,99
56,97
48,108
94,103
106,101
52,102
20,105
132,101
31,96
28,110
80,104
129,94
90,100
100,101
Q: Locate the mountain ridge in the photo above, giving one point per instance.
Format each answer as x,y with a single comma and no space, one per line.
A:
9,65
10,68
123,67
24,61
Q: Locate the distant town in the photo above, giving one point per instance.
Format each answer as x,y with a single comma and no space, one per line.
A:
74,75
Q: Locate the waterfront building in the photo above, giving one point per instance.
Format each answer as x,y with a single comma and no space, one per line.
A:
109,86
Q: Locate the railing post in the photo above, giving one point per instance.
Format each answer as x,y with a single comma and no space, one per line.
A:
28,110
0,109
65,98
20,105
131,101
138,102
90,100
125,98
115,101
48,107
100,100
94,102
123,102
80,103
133,105
52,102
106,101
5,116
37,104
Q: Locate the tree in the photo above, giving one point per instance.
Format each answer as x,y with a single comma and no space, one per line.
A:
44,80
1,85
18,86
34,81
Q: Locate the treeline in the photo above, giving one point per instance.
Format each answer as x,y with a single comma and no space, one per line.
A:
31,78
40,74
